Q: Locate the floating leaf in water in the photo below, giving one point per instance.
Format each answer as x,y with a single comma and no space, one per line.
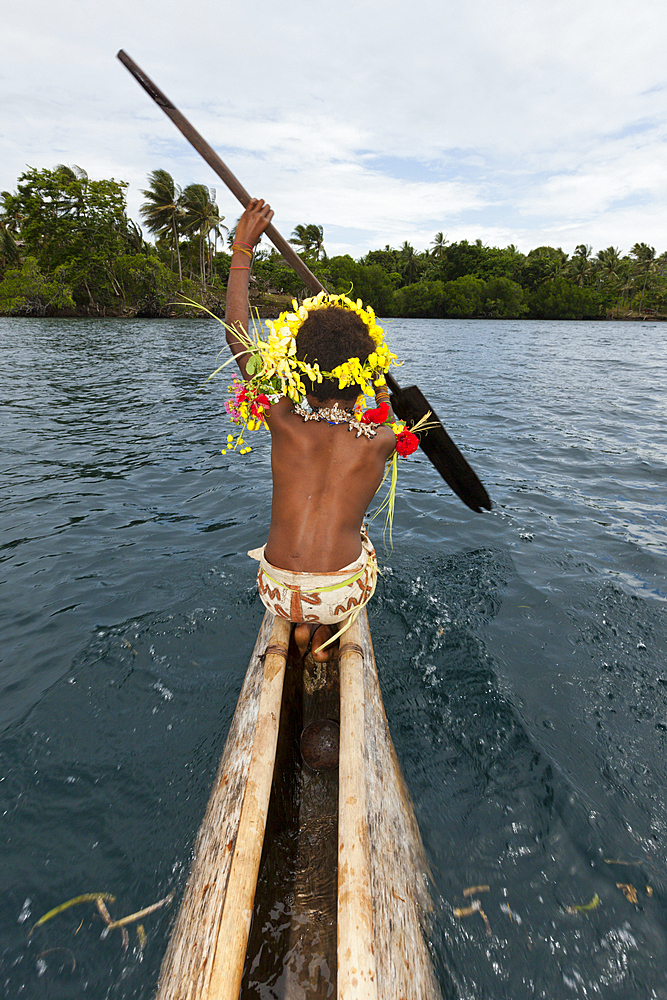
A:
585,907
50,951
628,891
472,890
87,897
475,907
104,913
100,899
141,913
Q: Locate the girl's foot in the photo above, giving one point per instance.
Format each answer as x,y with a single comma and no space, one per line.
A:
310,636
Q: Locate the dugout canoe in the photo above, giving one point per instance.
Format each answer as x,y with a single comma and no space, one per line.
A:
311,880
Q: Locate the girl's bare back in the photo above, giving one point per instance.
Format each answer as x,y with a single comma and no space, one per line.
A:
324,478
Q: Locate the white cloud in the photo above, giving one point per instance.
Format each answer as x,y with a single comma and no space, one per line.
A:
539,123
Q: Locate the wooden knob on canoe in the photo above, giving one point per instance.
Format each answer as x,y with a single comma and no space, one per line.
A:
319,745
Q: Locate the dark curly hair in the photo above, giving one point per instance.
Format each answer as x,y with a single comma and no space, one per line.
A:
330,336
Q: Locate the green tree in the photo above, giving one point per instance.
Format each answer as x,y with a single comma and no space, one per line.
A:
461,259
656,294
504,299
9,250
369,283
149,288
388,260
26,291
464,297
408,263
10,225
611,271
541,265
560,299
162,211
272,274
421,299
68,220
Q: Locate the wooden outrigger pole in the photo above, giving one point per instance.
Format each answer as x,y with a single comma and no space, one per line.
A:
206,952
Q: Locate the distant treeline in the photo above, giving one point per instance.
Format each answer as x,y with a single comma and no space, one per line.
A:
67,247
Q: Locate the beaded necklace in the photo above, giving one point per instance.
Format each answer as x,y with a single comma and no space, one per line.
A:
334,415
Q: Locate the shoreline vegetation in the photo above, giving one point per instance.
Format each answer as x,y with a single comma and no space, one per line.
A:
68,248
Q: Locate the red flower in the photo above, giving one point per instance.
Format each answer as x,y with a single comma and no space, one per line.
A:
406,443
376,416
260,404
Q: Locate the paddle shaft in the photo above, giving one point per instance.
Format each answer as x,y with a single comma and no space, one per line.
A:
221,169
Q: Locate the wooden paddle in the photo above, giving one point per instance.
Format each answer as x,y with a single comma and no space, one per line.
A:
409,404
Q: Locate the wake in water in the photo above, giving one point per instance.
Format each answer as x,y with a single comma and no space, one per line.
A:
543,881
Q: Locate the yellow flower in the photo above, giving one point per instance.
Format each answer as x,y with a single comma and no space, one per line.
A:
276,370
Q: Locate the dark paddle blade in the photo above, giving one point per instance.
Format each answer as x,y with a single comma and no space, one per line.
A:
411,405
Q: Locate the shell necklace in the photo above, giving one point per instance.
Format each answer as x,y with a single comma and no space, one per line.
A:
334,415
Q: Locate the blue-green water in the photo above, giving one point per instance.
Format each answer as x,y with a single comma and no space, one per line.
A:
522,653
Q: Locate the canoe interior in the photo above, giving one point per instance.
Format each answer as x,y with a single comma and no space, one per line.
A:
292,944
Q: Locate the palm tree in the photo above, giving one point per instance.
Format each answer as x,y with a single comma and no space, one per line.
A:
556,266
162,211
201,218
9,251
609,268
580,266
609,263
645,257
407,262
310,238
439,244
10,227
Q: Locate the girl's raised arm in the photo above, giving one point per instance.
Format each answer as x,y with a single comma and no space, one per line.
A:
251,225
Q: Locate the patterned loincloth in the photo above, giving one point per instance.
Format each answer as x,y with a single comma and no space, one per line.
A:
326,598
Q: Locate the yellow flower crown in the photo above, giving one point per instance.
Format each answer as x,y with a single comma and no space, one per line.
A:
278,352
273,369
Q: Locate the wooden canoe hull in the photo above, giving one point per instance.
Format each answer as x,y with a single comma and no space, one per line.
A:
358,873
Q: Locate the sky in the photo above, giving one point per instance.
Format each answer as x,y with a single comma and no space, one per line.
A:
524,122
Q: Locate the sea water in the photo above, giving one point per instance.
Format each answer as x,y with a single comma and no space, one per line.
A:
522,653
